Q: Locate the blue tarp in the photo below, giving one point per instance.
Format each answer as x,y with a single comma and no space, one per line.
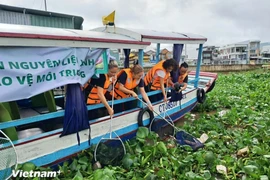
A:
176,96
76,115
126,62
177,51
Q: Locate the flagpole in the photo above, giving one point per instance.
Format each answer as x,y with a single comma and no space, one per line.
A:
45,5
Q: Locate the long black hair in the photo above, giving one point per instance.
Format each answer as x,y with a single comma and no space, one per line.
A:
184,65
170,63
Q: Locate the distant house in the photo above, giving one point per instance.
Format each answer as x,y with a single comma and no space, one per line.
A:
165,54
152,55
151,52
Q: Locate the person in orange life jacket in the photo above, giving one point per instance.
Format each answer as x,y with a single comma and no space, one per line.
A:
127,80
101,87
183,76
158,76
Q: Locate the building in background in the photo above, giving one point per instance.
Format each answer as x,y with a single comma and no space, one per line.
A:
254,52
209,55
240,53
32,17
234,53
265,52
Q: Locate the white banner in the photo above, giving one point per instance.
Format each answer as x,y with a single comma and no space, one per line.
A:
25,72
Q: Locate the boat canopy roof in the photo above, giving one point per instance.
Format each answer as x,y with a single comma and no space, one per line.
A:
155,36
22,35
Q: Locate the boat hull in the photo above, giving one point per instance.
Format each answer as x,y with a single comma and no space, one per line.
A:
49,149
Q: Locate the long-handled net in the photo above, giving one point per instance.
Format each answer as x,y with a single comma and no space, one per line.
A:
159,124
182,137
8,157
110,150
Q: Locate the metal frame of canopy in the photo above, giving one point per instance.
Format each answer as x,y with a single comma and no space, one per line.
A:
160,37
21,35
17,35
32,36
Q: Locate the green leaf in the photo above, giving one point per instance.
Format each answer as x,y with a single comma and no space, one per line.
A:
264,177
142,133
98,174
160,173
83,160
192,175
138,149
78,176
145,160
108,172
162,147
73,165
257,150
207,174
127,163
250,169
188,159
151,177
84,167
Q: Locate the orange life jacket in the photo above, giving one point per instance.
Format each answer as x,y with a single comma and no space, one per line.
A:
130,84
149,77
182,77
93,95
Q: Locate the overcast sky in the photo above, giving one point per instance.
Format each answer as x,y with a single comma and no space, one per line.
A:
220,21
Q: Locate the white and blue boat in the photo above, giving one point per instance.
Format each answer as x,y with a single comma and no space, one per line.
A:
36,114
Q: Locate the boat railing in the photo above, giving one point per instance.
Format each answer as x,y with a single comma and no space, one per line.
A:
60,113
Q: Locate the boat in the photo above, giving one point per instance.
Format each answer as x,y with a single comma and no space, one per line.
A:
41,126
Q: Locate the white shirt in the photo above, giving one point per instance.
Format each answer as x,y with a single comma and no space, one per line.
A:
159,73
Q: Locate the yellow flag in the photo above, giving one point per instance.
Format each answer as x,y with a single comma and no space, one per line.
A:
108,19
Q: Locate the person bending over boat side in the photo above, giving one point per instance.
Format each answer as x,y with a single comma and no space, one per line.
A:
101,87
157,77
183,76
127,80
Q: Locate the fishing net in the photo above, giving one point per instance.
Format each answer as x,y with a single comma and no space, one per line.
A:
8,157
184,138
110,152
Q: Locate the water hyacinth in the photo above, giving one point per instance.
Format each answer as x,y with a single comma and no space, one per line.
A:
237,144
